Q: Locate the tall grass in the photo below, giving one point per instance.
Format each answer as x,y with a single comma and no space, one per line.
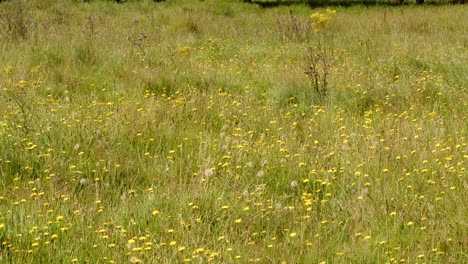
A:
187,131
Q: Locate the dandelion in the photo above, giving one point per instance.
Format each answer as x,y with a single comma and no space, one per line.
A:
7,69
198,250
180,248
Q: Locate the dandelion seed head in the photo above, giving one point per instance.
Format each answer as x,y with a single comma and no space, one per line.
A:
294,184
208,172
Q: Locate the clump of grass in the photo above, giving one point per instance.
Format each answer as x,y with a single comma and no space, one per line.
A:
292,28
15,20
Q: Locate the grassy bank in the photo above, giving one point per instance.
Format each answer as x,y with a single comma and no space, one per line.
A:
187,131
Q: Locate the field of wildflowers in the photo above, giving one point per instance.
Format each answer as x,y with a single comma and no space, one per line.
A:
187,131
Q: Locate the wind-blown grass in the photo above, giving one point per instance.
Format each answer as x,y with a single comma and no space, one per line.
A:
187,131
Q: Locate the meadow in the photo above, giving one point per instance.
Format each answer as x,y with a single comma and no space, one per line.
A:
224,132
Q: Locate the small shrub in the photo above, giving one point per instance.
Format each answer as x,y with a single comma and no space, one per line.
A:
320,61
